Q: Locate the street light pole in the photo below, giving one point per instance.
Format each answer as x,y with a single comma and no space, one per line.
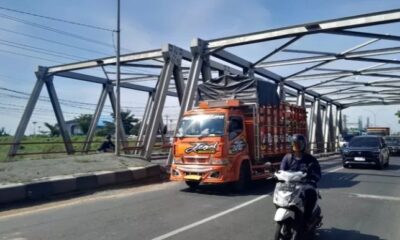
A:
34,128
118,93
373,113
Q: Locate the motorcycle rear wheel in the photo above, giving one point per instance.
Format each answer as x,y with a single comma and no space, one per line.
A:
286,230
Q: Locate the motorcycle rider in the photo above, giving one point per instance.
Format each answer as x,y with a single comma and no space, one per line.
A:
299,160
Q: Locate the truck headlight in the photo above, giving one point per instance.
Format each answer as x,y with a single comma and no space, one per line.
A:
219,161
178,160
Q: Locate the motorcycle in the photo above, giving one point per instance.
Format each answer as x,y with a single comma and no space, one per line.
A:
289,200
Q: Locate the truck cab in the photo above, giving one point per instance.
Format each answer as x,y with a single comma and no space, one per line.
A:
214,144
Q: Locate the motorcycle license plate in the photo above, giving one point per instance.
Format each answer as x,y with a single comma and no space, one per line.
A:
360,159
287,187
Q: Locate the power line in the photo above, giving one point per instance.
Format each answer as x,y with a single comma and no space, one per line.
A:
55,30
65,101
63,44
52,41
30,56
39,50
58,19
43,49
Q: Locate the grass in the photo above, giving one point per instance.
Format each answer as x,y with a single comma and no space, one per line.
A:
44,145
50,144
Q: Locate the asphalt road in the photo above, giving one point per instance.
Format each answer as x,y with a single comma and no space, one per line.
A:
357,204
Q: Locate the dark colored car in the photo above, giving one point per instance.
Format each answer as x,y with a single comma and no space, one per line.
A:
393,143
370,150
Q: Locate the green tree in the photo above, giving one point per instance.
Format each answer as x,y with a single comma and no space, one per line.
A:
84,122
3,132
54,129
130,123
398,115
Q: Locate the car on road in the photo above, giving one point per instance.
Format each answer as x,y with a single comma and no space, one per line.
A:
393,143
368,150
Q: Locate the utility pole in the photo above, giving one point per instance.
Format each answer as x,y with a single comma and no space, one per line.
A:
34,128
118,93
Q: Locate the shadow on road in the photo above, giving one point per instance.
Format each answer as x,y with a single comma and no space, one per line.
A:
256,188
392,167
335,233
338,180
330,165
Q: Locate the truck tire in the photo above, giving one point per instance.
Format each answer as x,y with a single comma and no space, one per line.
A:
193,185
244,177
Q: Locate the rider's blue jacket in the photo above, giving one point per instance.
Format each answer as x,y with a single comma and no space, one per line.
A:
307,163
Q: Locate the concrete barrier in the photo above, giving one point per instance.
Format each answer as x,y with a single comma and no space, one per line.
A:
45,188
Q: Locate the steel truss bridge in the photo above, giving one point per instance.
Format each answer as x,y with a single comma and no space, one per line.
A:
315,84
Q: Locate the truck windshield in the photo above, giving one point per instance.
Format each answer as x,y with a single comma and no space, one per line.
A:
201,125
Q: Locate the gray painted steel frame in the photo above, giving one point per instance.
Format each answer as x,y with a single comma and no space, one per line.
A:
33,98
201,63
324,128
45,77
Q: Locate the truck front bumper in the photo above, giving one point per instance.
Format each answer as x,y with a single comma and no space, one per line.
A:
202,173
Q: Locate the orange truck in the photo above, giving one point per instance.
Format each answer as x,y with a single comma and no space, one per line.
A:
381,131
231,141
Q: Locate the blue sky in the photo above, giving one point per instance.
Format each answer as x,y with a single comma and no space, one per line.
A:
149,25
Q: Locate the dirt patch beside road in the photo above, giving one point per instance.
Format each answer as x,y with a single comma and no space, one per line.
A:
30,170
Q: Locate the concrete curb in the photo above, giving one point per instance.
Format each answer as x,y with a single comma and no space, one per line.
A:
328,154
328,157
45,188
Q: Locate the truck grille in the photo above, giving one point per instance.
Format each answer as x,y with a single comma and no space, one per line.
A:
196,160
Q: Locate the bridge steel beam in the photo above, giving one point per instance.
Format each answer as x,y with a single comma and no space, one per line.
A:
316,130
95,118
309,28
311,126
301,101
339,126
328,129
155,115
26,116
59,115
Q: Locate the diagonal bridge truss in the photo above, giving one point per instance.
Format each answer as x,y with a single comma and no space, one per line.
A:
326,82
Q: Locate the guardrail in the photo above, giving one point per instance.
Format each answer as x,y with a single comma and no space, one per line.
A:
161,149
132,146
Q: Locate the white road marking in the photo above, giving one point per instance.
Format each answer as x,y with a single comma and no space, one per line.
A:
378,197
100,196
333,170
195,224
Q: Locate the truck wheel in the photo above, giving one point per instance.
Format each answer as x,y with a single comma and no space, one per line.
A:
192,185
244,178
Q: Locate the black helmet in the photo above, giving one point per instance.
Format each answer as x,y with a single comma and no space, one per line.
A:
300,140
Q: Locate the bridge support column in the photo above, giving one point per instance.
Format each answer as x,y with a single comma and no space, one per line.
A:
172,59
317,139
339,126
26,116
